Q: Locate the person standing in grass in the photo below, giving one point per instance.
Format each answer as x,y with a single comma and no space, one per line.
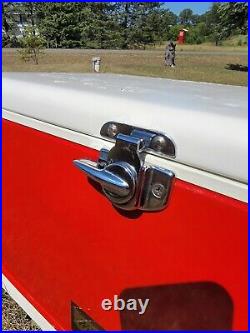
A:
170,54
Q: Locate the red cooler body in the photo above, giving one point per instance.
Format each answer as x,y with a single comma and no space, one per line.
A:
121,187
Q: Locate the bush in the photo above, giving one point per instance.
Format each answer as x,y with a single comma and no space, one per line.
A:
199,40
32,45
195,35
194,38
173,33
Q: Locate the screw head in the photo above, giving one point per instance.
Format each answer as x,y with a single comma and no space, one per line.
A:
158,190
112,130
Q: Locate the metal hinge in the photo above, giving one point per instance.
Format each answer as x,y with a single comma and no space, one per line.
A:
127,181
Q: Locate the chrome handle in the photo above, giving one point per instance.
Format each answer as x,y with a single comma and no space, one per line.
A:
126,179
109,180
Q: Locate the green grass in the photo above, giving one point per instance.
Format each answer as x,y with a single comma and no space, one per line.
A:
192,66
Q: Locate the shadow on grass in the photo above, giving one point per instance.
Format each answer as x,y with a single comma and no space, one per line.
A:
237,67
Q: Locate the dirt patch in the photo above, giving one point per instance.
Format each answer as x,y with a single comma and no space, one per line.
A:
14,318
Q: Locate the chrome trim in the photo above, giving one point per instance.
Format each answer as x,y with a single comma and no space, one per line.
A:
155,142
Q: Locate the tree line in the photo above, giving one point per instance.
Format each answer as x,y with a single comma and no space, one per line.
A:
120,25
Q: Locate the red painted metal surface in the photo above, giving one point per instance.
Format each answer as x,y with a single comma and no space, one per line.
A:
63,241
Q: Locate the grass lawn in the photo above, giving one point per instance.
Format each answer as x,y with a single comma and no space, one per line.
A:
230,44
199,64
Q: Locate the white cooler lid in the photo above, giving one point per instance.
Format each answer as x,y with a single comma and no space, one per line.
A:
207,122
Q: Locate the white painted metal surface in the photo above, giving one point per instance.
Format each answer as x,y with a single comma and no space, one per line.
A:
208,122
26,305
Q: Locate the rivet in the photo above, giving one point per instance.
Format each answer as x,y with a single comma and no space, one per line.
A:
158,143
112,130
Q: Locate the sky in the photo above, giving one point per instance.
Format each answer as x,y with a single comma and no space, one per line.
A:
197,7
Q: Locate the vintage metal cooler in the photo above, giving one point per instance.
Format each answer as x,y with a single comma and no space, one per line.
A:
127,187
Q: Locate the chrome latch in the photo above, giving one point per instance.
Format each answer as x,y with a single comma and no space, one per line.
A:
127,181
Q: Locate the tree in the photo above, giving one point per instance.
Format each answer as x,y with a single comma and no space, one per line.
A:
225,19
196,19
28,12
233,17
164,25
146,25
59,23
9,25
15,14
186,17
106,24
101,29
139,22
212,23
79,24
